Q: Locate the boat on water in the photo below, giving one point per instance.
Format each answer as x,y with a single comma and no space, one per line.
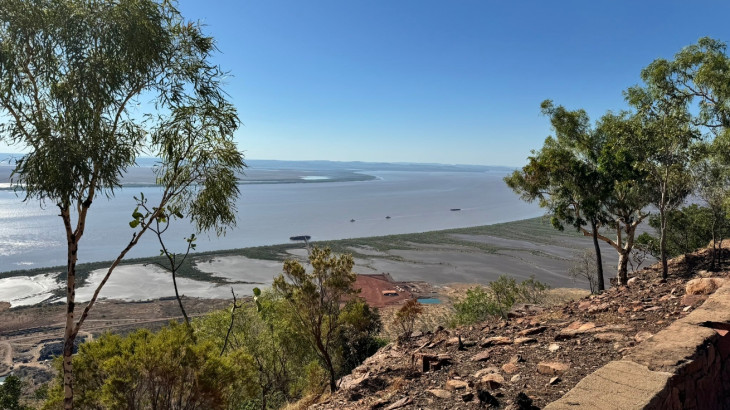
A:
456,209
300,238
352,220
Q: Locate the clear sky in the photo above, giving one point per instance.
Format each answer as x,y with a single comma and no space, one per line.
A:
452,81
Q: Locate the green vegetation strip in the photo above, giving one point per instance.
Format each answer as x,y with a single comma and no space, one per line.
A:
536,230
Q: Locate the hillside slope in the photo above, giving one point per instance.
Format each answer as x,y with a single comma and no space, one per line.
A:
530,359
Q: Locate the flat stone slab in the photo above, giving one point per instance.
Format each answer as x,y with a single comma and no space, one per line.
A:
620,384
642,379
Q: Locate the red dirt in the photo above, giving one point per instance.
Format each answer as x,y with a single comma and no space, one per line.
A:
372,287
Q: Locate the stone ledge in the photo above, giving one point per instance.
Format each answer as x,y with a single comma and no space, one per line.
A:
683,366
620,384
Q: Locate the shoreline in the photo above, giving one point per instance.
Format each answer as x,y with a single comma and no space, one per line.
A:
480,254
276,252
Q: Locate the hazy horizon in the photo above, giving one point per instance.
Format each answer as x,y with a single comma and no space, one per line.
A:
431,81
3,160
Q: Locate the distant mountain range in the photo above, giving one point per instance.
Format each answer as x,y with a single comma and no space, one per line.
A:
7,160
371,166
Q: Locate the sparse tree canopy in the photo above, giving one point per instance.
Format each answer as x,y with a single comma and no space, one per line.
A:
587,176
405,317
315,299
86,87
699,74
699,77
667,135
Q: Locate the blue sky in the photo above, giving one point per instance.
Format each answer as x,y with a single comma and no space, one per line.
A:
433,81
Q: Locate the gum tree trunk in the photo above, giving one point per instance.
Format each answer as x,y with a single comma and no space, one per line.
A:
663,247
599,261
69,334
623,274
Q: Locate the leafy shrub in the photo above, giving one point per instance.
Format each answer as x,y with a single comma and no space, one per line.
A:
481,303
532,291
10,392
162,370
477,305
358,337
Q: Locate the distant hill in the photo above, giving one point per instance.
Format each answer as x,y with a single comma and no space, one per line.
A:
265,171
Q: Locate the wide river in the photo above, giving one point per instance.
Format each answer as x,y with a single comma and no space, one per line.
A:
32,236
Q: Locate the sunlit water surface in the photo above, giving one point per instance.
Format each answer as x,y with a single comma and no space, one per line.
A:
32,235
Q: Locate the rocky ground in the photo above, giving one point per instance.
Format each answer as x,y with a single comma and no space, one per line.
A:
533,357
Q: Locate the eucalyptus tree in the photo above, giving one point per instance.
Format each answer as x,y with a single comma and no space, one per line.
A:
699,76
713,186
87,87
627,200
667,137
588,175
564,178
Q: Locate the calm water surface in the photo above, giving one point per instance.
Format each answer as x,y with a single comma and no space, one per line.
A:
31,236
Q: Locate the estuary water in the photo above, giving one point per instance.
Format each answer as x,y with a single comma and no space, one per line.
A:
32,236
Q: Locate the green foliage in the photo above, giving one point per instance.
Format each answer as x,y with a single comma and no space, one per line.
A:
690,228
286,364
358,337
699,73
265,330
478,305
481,303
668,135
586,177
73,79
162,370
10,392
532,291
314,299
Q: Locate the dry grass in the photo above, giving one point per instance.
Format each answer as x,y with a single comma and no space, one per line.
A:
442,314
560,296
432,317
307,401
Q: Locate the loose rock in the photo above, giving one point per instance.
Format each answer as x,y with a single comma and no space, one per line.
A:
454,384
440,393
702,286
552,368
510,368
496,340
493,381
480,357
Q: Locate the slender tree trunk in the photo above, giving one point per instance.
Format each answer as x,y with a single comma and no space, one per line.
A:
599,261
623,261
69,335
328,364
68,338
663,244
179,302
333,382
714,246
719,246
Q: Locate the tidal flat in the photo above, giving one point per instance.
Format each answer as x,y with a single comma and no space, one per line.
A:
520,249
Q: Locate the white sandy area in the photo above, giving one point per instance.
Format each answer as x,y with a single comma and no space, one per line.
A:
139,282
28,290
241,268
